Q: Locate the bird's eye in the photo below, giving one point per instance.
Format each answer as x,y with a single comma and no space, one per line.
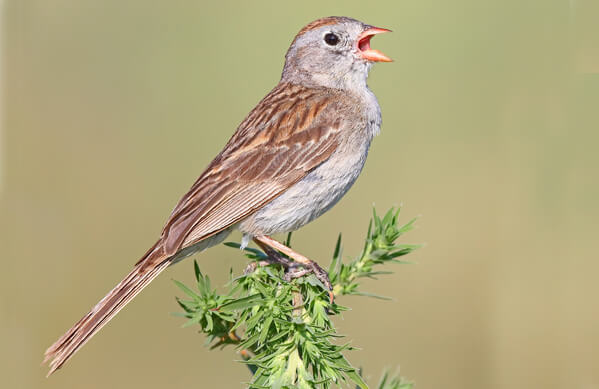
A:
331,39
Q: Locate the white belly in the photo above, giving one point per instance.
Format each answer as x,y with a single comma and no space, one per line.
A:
312,196
322,188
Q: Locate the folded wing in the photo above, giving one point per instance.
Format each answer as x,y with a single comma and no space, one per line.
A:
289,133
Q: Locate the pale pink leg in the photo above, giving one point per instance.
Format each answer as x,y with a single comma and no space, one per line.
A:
267,244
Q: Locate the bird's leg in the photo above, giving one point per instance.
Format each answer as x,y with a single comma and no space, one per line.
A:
291,267
268,244
273,257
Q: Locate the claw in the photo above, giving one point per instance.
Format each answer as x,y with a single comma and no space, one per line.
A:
273,249
252,266
292,274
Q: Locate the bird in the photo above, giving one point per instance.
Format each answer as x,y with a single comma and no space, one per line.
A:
289,161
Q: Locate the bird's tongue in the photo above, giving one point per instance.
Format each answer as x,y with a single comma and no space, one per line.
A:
364,45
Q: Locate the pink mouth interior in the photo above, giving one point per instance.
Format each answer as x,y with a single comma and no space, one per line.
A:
364,43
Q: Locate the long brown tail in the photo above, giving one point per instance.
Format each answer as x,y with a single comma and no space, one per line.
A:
144,271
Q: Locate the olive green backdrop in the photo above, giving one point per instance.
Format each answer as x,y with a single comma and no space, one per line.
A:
111,109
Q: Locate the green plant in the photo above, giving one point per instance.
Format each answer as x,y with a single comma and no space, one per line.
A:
283,329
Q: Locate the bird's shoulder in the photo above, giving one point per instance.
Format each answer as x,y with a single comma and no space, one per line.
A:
290,114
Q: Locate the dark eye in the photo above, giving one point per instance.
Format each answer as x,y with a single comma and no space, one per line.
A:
331,39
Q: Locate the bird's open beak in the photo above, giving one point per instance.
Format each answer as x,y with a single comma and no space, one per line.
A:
364,45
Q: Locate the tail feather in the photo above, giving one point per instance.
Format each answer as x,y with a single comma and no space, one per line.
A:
144,272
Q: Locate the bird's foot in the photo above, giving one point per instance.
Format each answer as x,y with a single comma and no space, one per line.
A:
273,257
273,249
252,266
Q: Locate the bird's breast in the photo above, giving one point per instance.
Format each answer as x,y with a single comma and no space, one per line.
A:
324,186
315,194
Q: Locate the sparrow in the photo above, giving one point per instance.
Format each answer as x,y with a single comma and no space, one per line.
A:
291,159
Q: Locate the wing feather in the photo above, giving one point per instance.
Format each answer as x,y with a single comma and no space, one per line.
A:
287,135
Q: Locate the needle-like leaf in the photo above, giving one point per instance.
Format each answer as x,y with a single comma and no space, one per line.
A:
287,336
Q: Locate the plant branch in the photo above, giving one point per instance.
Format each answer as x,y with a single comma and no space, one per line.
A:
282,328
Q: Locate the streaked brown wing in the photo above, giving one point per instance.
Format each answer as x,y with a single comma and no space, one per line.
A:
287,135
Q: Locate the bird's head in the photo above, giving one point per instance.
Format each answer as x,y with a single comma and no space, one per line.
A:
333,52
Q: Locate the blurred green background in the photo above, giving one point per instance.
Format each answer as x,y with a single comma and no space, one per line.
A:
111,109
